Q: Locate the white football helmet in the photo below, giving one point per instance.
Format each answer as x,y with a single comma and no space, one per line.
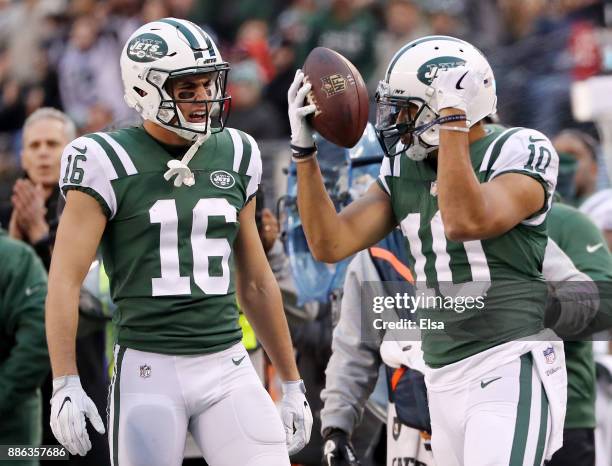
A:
165,49
408,81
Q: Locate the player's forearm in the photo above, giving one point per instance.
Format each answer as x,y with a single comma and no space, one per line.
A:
317,212
263,307
61,321
460,199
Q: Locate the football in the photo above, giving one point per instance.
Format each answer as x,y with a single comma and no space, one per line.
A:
340,96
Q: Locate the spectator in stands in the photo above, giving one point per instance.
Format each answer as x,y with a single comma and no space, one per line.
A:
252,41
291,30
347,30
446,18
34,199
249,112
24,361
154,9
403,23
579,152
89,72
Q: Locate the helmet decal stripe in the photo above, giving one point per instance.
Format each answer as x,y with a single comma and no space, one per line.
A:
205,38
191,38
414,43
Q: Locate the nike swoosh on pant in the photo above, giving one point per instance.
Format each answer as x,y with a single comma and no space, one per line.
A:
484,384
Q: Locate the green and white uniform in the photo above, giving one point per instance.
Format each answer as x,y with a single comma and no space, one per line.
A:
179,363
583,248
500,268
507,391
167,250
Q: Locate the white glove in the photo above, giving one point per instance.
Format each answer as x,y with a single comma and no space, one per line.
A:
69,406
456,87
296,415
301,133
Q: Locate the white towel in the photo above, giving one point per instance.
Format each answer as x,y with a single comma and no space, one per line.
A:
549,360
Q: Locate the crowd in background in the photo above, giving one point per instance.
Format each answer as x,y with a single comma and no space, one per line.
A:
64,54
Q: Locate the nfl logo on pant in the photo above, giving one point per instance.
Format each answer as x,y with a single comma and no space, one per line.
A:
145,371
549,354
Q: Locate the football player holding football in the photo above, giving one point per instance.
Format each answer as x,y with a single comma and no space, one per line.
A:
171,204
472,202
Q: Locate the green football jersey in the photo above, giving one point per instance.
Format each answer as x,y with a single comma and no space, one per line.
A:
168,250
585,246
504,273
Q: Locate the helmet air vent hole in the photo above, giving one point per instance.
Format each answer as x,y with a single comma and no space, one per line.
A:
437,48
139,91
171,54
461,50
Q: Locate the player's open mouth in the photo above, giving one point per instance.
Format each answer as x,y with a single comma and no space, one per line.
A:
197,117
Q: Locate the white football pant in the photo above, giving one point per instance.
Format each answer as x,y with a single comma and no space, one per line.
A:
155,399
499,419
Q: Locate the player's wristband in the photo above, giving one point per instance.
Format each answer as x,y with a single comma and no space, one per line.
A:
303,151
438,121
450,118
460,129
302,154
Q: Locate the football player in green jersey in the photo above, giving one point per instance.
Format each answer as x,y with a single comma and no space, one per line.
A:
576,243
171,204
472,203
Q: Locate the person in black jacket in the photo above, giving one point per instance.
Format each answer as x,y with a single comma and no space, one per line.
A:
34,199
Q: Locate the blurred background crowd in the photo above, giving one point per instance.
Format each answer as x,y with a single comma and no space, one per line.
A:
64,54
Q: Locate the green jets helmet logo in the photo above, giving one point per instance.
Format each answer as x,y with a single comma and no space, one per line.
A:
147,47
429,70
222,179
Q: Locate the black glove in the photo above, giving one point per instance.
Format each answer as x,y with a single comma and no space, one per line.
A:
337,449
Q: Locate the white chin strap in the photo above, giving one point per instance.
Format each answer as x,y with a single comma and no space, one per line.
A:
417,152
180,169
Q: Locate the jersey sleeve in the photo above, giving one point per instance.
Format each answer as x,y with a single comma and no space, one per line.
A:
254,170
528,152
86,167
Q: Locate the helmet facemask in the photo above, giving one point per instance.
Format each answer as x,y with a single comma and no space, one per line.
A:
405,124
216,106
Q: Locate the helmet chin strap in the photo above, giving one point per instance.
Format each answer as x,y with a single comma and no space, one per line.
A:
179,168
417,152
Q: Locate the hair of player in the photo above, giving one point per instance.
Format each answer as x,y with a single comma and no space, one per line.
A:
49,113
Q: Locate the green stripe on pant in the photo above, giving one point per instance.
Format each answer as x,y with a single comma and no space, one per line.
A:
543,428
521,426
116,398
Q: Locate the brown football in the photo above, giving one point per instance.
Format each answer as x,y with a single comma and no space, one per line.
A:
340,95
